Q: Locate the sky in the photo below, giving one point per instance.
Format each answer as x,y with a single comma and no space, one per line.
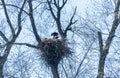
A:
81,5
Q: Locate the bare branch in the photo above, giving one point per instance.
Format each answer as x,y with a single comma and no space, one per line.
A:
3,36
114,26
58,2
83,60
64,71
64,2
57,17
19,22
104,51
117,6
16,7
100,41
71,22
51,10
7,17
19,19
58,22
26,44
3,46
55,3
33,22
9,43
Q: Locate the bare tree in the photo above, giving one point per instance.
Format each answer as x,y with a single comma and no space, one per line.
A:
57,17
77,66
104,49
59,5
15,34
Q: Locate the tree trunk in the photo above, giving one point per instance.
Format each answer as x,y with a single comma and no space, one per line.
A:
101,64
54,70
104,49
1,68
1,72
4,58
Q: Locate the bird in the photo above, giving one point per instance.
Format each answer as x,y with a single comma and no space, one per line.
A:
55,35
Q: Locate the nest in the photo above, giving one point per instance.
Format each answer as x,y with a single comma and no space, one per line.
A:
53,50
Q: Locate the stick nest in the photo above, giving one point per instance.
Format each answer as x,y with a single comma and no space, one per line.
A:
53,50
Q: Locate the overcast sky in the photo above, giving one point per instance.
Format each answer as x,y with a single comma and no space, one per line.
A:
81,5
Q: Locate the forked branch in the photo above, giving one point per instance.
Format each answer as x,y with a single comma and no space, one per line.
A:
3,36
71,22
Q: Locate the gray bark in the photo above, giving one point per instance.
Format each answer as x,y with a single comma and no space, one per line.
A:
54,70
104,49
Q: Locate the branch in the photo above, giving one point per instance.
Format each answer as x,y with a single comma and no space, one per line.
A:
3,36
55,3
33,22
7,17
58,22
19,23
114,26
64,2
9,45
100,41
50,7
64,71
2,46
56,18
16,7
58,2
19,19
70,23
117,6
82,61
26,44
